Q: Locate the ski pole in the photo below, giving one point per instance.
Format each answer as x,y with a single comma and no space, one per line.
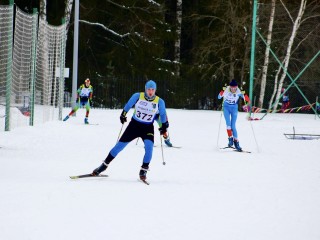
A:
254,136
163,162
219,131
219,125
137,141
264,115
120,132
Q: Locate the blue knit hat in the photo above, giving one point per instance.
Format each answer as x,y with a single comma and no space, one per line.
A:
151,84
233,83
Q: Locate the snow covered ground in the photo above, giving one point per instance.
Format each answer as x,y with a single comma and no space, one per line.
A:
201,193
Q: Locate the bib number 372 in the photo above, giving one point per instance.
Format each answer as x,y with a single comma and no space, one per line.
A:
144,116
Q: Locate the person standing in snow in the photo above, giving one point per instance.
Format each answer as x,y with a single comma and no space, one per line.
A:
84,98
231,97
147,106
285,100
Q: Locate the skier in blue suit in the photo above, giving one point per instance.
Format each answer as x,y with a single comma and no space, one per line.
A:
231,97
147,106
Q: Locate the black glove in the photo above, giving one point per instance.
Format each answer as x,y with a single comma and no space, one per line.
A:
90,101
163,129
123,117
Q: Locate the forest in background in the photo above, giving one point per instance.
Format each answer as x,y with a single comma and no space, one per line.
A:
192,48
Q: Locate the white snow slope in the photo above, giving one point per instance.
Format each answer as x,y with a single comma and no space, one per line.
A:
201,193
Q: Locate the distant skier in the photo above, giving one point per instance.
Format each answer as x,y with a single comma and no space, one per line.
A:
147,105
285,100
231,97
84,99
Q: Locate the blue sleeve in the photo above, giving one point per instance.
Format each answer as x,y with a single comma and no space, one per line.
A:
132,101
157,119
162,111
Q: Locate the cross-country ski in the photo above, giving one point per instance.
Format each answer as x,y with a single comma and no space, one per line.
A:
144,181
235,150
88,176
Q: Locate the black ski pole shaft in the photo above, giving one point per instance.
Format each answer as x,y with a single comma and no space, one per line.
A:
219,131
120,132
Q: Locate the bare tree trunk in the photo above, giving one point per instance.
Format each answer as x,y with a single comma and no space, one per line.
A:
177,44
275,86
231,67
245,61
290,44
232,48
43,9
266,57
68,11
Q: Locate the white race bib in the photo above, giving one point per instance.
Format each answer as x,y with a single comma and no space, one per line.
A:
231,98
145,110
85,92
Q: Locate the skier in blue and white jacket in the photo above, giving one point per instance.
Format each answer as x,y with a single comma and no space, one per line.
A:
231,97
147,106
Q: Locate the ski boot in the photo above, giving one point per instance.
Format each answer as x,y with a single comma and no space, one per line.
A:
230,144
86,121
100,169
143,172
167,141
66,118
237,146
